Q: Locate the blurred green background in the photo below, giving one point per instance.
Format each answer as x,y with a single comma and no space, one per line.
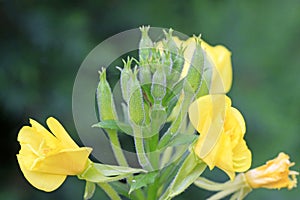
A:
44,42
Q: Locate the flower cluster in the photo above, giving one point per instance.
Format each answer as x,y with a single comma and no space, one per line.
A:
176,111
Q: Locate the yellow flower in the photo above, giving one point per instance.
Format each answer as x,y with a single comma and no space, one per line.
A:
220,58
46,159
275,174
221,129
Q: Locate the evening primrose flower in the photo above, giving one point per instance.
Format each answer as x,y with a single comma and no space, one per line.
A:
221,129
275,174
45,158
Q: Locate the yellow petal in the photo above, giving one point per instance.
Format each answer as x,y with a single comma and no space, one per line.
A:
207,114
242,157
28,135
200,112
42,181
61,134
66,162
239,118
235,125
222,72
224,155
28,155
39,129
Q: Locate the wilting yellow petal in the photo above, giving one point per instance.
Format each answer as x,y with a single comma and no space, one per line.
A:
42,181
275,174
61,134
66,162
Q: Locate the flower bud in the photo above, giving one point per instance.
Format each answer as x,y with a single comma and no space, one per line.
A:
136,102
170,44
177,67
193,80
126,74
167,62
158,88
145,74
146,45
105,101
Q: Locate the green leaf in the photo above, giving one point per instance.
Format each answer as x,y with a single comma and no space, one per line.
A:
113,170
115,125
181,139
177,140
89,190
164,141
96,173
190,170
143,180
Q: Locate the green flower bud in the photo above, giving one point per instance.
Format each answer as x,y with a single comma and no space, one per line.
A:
126,74
105,101
145,74
167,62
170,44
193,80
155,60
136,102
158,88
145,46
177,67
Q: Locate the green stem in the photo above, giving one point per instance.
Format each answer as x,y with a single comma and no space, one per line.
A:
140,149
111,193
152,191
222,194
238,182
116,147
213,186
153,154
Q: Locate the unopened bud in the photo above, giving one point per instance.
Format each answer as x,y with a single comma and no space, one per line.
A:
158,88
136,102
126,74
146,45
193,80
105,101
167,62
145,74
170,44
177,67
